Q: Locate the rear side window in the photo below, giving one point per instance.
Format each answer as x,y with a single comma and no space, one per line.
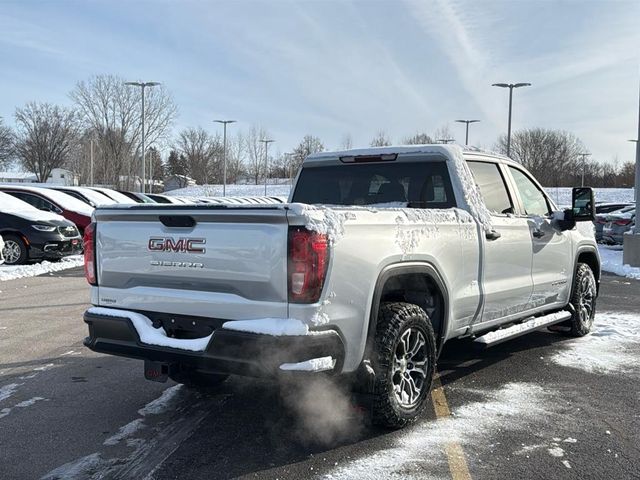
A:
492,187
416,184
533,199
37,202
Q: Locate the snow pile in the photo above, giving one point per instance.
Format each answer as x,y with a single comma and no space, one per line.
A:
321,219
610,347
7,390
314,365
562,195
153,336
8,272
515,406
611,258
269,326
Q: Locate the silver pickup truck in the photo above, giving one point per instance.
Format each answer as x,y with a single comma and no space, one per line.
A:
380,257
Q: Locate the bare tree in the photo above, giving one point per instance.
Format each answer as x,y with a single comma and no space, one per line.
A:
111,111
46,135
443,134
381,139
347,142
6,144
236,152
418,138
255,152
552,156
199,150
308,145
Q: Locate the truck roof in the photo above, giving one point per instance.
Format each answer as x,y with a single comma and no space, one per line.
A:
450,150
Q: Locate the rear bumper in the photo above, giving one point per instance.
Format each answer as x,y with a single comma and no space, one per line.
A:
228,351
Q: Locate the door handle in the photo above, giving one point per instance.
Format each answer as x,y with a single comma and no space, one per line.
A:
492,235
539,233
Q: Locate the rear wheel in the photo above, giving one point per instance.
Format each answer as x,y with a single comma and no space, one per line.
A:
197,380
405,362
15,250
583,301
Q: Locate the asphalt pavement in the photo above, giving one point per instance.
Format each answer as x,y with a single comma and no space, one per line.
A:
542,406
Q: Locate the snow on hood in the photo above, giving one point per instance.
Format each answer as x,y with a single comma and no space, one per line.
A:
13,206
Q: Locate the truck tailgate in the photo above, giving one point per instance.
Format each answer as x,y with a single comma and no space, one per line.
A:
220,262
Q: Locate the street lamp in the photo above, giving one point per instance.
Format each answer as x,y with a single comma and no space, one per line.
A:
466,137
510,86
266,160
143,85
224,170
584,162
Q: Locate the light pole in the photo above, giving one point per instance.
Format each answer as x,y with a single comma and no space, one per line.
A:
510,86
224,168
142,86
631,243
584,162
266,160
466,137
91,153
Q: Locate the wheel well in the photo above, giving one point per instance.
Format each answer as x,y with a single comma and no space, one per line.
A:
422,290
591,259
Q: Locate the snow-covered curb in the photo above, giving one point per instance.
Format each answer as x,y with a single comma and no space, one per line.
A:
150,335
611,258
23,271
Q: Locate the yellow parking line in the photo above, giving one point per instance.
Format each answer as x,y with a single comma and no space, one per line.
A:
455,456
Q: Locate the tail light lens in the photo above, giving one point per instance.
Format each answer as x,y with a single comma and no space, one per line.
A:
89,241
623,221
308,262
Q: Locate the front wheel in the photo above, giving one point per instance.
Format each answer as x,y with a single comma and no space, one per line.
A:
583,301
15,250
405,363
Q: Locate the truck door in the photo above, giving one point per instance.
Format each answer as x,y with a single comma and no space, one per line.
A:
507,281
552,265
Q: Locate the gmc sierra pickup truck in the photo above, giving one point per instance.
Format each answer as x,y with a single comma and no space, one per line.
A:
380,257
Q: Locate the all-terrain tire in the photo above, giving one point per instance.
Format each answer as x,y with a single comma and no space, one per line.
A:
195,380
395,402
15,250
583,301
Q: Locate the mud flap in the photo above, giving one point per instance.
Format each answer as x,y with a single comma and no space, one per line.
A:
156,371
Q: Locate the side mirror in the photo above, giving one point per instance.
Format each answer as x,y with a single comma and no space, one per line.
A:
583,205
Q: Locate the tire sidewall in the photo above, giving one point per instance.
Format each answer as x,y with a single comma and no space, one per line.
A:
23,249
577,327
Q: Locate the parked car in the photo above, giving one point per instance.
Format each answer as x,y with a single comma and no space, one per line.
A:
617,224
601,215
85,194
158,198
382,256
32,234
50,200
137,196
112,194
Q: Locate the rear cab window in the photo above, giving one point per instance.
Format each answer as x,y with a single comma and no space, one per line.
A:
416,184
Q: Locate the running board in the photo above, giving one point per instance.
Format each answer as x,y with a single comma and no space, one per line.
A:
536,323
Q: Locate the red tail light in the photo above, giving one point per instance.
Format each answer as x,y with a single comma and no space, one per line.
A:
308,262
623,221
90,254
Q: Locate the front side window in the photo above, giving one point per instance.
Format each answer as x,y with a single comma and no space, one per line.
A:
492,187
533,200
414,184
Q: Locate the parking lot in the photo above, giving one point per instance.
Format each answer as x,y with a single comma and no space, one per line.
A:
542,406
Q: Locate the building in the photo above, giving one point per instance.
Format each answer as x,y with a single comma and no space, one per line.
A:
173,182
62,176
17,177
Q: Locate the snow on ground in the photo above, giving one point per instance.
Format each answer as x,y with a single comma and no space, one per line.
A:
562,195
612,346
14,272
611,258
232,191
515,406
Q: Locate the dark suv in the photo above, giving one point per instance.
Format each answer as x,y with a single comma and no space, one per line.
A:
30,234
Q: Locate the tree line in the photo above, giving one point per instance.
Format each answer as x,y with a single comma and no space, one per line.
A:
98,137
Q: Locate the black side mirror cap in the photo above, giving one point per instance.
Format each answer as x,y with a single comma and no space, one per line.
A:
583,205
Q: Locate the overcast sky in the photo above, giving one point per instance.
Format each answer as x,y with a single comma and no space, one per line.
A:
333,68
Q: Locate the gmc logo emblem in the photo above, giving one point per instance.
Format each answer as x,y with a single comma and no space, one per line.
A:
182,245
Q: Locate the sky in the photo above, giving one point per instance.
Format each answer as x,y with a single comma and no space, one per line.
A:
338,68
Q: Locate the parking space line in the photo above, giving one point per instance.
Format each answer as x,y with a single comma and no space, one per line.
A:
455,455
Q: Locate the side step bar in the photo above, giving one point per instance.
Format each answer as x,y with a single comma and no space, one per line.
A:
536,323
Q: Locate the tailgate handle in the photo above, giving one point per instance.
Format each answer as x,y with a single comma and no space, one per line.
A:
183,221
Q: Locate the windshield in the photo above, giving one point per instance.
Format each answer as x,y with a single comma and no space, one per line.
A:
415,184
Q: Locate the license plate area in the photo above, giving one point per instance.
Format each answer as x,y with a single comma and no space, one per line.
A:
156,371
